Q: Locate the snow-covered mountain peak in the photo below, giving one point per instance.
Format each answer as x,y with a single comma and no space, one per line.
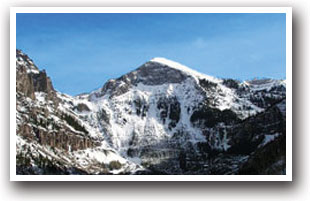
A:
183,68
170,63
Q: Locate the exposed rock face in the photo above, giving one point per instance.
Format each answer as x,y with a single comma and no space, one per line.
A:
52,134
42,122
149,73
30,80
36,122
169,109
82,107
42,82
24,83
61,139
152,74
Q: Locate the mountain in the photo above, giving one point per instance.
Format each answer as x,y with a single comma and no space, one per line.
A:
162,118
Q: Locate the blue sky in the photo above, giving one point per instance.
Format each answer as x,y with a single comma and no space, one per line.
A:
80,52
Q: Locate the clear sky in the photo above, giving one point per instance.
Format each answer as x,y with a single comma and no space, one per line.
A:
80,52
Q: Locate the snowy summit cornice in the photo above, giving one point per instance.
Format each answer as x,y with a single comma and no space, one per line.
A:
183,68
170,63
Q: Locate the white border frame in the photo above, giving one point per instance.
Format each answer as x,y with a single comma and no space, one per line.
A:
286,10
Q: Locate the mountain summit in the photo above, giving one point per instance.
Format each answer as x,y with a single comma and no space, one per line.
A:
184,69
162,118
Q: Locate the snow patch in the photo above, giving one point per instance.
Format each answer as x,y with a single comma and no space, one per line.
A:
268,139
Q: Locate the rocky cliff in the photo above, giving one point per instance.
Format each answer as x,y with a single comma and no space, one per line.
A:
46,131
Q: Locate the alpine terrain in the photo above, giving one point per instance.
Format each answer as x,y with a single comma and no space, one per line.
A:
162,118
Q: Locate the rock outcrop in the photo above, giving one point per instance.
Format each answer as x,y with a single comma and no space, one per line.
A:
39,119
